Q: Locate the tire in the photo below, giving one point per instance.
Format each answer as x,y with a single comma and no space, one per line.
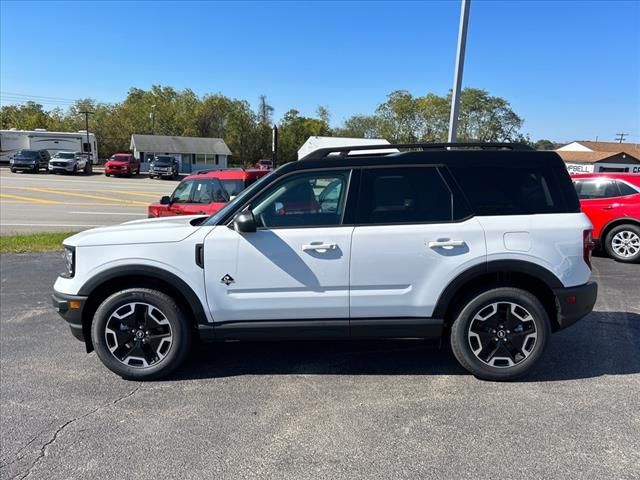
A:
622,243
151,177
88,169
519,344
13,170
137,354
107,174
75,170
36,169
138,171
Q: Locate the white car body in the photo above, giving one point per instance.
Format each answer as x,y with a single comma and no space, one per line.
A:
68,165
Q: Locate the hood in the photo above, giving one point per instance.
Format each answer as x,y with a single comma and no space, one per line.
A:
118,163
63,160
151,230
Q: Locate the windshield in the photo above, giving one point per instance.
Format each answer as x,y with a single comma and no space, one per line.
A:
163,160
239,200
27,153
119,158
206,190
65,155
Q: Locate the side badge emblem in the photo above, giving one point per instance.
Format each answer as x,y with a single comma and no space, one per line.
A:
227,280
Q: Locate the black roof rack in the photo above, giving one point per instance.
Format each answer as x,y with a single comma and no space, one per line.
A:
344,151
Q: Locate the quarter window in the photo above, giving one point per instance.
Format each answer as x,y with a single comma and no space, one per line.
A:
404,195
303,200
626,189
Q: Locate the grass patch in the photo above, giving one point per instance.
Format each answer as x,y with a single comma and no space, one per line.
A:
33,242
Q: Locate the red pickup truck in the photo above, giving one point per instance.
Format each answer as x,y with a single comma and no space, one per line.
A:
122,164
612,203
205,192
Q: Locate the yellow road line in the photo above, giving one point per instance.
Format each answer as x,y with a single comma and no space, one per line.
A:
153,195
30,199
85,195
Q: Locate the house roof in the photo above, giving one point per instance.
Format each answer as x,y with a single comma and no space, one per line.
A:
170,144
630,148
592,157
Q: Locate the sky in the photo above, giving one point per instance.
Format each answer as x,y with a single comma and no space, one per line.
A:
570,69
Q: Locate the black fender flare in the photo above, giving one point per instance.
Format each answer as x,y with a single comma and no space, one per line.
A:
151,272
508,266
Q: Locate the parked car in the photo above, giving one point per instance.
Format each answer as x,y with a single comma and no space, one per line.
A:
232,180
164,167
122,164
195,195
29,161
612,203
483,247
264,164
70,162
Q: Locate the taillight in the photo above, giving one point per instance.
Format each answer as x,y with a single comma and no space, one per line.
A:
588,245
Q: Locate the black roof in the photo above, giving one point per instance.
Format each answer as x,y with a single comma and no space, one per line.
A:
487,155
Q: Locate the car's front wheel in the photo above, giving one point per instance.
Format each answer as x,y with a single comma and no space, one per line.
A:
500,334
622,243
140,334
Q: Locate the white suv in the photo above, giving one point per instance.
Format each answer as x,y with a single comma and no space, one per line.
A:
482,244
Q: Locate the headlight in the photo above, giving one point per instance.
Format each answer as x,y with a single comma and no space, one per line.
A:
70,260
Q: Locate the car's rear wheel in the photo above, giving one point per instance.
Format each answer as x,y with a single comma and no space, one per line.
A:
140,334
500,334
622,243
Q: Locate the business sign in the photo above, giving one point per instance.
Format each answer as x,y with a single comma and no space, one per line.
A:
579,168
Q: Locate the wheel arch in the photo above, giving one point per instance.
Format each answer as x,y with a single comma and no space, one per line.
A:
614,223
515,273
104,284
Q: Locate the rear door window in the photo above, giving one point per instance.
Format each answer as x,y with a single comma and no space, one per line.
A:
404,195
596,188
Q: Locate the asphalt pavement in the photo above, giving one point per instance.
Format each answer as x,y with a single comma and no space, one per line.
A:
45,202
305,410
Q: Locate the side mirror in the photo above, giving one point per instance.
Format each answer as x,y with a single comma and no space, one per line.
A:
245,222
165,200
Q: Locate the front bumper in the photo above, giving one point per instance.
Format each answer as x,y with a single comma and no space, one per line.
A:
70,308
117,171
573,303
59,168
161,173
24,166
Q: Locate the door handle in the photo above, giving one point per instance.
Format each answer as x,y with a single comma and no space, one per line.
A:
319,247
446,244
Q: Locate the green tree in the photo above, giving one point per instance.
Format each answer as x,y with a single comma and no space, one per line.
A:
544,144
294,130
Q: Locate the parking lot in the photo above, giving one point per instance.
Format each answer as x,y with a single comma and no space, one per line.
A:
318,409
43,202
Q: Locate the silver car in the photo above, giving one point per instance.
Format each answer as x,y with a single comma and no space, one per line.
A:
69,162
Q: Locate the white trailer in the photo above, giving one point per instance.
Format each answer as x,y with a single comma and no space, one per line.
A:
40,139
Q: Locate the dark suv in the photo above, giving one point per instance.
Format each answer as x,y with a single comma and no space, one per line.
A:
164,167
30,161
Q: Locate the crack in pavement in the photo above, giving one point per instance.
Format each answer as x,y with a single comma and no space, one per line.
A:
44,448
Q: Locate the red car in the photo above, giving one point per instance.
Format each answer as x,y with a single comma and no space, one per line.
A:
612,203
264,164
122,164
205,192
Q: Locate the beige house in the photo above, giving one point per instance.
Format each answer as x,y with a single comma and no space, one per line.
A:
585,156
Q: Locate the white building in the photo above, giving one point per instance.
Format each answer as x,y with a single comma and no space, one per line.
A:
192,153
585,157
314,143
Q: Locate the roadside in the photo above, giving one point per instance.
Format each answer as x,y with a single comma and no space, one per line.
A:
33,242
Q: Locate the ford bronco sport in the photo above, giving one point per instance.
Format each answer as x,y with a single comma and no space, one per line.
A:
483,245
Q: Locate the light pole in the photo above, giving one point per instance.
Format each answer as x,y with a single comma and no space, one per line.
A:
86,114
153,119
457,76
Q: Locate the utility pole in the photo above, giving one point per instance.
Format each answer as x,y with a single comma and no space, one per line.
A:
457,77
274,146
620,137
86,114
153,119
